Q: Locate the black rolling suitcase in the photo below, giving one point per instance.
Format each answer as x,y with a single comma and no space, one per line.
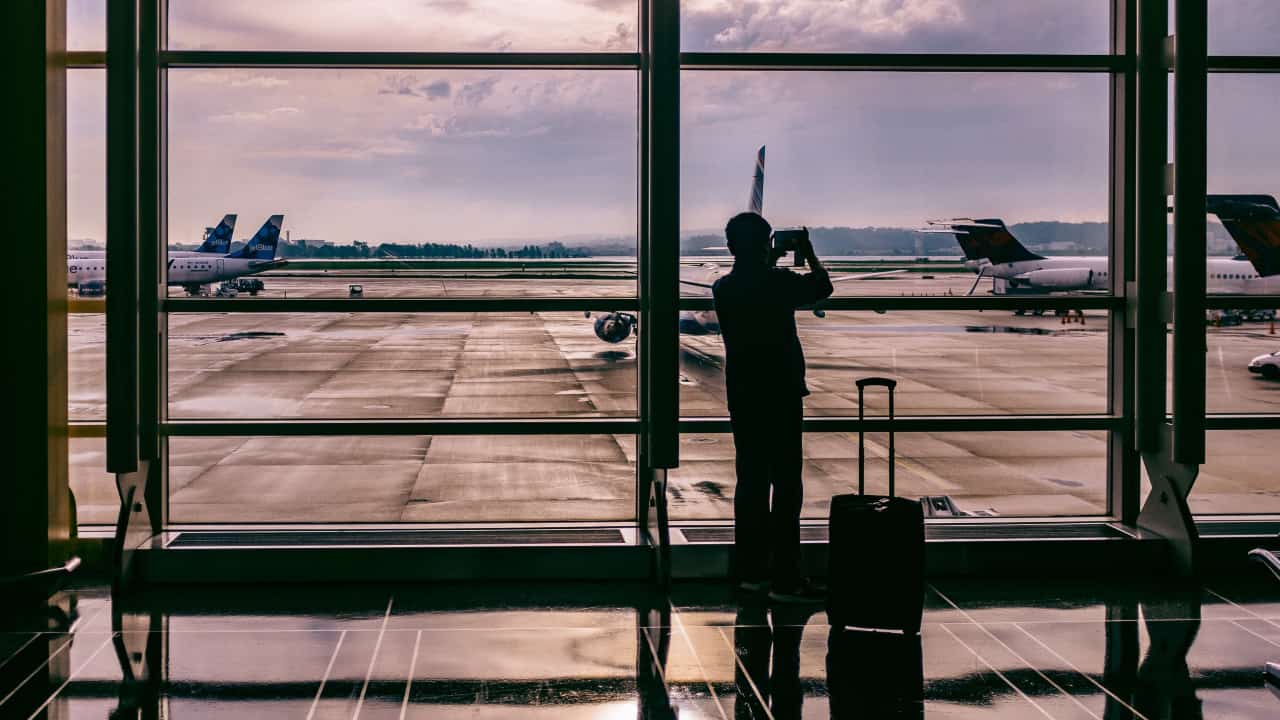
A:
875,571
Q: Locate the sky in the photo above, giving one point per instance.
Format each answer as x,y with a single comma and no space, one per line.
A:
532,155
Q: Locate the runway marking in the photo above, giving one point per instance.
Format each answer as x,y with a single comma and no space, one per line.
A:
882,451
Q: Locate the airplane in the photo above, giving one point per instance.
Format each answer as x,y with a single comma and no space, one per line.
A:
192,271
990,250
217,241
615,327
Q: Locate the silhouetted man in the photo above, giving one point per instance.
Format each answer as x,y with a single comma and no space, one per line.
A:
764,376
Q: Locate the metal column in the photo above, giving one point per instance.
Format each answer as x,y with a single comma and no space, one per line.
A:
122,236
1173,455
659,267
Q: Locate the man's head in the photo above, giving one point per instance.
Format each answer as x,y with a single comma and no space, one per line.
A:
748,238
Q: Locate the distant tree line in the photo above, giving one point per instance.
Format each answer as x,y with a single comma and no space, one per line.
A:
1047,237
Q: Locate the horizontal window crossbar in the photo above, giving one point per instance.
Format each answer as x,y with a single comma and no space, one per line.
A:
292,427
87,59
376,59
905,62
81,429
949,302
1242,302
398,305
933,423
1242,422
1244,63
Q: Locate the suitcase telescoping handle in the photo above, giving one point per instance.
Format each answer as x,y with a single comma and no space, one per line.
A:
863,384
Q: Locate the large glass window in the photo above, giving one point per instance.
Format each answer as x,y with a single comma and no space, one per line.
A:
991,362
393,365
486,208
428,183
986,474
444,478
1239,474
865,159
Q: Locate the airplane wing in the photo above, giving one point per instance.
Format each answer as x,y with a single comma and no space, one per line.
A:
866,276
695,283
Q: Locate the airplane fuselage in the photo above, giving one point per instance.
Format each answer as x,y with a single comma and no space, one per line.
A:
1226,276
183,270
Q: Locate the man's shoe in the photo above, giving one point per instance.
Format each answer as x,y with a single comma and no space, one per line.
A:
802,591
753,586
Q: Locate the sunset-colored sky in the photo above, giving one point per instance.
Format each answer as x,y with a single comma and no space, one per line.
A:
483,156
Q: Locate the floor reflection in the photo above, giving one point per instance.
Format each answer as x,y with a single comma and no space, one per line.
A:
1106,651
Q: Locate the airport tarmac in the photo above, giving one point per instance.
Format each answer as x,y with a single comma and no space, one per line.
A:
518,364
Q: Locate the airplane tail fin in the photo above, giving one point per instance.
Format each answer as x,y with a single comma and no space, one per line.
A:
1254,223
983,239
262,246
756,203
219,238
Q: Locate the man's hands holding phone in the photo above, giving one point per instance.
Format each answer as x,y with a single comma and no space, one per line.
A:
793,239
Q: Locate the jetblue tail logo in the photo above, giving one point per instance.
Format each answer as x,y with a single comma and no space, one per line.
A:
1254,223
756,203
219,238
262,246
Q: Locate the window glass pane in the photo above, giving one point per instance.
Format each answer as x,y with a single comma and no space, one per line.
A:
97,500
384,170
1039,26
1244,160
985,474
86,25
1239,474
948,363
865,159
392,365
86,159
410,479
87,366
404,25
1242,367
1243,27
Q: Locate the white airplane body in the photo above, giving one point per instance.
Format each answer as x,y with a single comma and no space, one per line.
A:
192,270
992,251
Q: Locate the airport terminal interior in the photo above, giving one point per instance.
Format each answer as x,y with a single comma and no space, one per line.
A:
407,395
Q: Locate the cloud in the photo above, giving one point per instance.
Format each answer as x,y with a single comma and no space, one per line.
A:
896,25
437,90
472,94
249,116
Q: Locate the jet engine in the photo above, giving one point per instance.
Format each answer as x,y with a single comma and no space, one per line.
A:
1059,278
615,327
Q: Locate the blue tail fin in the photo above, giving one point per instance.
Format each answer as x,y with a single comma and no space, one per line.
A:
1254,223
756,203
262,246
219,238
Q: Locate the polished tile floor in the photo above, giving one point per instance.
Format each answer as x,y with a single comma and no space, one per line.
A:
988,649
